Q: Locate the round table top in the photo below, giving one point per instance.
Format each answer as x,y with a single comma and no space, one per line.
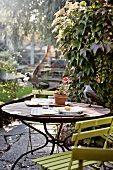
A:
23,112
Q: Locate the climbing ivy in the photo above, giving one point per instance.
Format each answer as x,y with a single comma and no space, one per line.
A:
85,37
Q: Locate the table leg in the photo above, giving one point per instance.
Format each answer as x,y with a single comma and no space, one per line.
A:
49,138
55,140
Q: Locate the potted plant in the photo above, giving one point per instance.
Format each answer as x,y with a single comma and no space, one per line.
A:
60,94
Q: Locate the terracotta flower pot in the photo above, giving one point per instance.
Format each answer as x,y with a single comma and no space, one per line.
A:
60,99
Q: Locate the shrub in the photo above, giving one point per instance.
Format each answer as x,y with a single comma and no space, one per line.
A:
8,65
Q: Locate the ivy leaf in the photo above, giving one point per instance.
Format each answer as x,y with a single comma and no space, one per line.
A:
103,12
80,62
97,12
93,32
83,51
97,46
75,44
99,33
97,29
107,48
82,22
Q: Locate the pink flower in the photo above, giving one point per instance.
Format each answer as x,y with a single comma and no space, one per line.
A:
64,86
65,80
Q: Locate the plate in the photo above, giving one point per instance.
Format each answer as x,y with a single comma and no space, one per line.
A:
73,110
39,102
41,111
32,104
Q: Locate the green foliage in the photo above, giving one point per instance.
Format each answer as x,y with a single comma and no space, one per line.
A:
85,37
8,65
8,62
22,91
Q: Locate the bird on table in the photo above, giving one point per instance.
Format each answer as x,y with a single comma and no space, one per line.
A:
91,96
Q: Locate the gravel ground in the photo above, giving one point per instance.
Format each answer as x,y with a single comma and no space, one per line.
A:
13,143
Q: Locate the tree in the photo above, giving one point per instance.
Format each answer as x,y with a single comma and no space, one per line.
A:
87,42
25,17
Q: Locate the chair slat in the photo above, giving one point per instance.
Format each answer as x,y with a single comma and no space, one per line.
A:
53,156
92,154
88,134
94,122
42,92
53,161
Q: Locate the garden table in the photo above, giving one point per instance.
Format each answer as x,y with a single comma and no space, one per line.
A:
23,112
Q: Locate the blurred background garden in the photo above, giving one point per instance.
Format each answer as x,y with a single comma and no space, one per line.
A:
77,43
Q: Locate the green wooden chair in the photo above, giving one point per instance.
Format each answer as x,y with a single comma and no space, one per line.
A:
42,93
65,160
50,126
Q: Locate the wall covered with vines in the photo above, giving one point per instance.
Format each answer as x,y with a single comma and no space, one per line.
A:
85,37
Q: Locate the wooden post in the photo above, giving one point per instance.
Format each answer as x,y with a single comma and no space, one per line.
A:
32,50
